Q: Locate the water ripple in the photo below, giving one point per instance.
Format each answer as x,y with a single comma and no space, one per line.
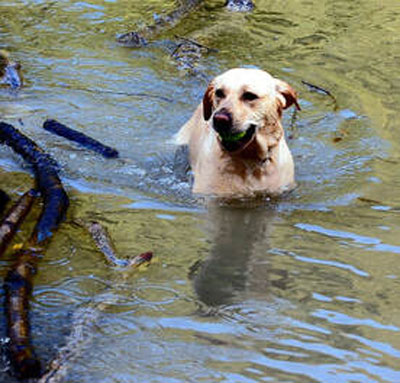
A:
343,319
370,242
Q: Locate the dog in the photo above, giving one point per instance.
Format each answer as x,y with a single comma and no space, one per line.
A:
236,141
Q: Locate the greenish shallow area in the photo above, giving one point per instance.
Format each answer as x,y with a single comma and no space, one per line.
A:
302,290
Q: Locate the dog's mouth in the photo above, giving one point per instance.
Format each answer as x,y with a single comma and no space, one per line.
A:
233,142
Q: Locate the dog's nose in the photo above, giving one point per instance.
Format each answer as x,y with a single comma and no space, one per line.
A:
222,122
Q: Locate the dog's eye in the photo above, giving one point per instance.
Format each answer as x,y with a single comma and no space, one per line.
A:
219,93
249,96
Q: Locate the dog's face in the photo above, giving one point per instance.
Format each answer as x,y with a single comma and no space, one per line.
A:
242,104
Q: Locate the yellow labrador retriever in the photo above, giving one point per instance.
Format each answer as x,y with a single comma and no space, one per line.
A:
235,137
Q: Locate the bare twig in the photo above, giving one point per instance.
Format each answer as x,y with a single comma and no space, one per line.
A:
318,89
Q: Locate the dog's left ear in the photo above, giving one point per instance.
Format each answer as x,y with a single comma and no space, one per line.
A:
208,102
287,95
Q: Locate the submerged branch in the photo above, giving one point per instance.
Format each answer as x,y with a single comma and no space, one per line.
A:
105,244
18,289
83,320
13,219
196,43
318,89
19,280
139,39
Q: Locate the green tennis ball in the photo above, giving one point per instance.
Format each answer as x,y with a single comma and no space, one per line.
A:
233,137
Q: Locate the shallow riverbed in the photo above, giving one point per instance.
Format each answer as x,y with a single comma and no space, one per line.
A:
302,290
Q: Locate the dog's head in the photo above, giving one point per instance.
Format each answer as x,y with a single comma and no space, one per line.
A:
242,104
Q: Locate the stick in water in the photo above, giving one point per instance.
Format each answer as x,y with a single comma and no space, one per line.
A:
19,280
13,219
62,130
105,244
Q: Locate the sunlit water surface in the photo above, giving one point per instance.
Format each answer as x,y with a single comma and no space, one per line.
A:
305,290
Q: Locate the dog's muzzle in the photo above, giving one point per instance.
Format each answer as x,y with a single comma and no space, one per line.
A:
230,139
222,122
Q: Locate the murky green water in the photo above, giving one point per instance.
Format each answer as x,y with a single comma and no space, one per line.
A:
303,291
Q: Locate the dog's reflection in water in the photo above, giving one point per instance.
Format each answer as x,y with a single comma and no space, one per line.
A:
238,260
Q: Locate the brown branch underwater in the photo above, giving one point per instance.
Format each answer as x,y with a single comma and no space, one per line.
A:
19,280
13,219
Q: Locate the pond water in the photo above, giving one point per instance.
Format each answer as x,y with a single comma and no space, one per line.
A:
302,290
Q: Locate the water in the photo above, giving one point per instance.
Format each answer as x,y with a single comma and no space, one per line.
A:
302,290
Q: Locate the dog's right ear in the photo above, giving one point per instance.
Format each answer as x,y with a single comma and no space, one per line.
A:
208,102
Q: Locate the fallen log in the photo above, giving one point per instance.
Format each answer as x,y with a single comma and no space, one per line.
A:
13,219
18,283
82,139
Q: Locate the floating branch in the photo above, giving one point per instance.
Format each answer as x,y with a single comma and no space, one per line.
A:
56,127
18,283
13,219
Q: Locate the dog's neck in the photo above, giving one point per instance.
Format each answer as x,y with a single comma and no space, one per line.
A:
249,163
265,165
260,152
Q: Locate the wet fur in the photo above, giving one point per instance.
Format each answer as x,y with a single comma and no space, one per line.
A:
263,165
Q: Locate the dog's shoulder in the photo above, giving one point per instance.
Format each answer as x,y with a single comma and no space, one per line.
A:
190,127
